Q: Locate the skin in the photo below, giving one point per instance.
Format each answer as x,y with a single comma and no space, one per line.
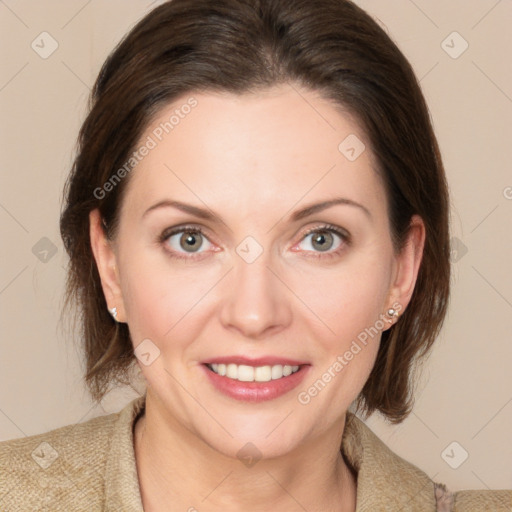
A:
253,160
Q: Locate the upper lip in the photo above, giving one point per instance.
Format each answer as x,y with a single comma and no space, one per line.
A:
259,361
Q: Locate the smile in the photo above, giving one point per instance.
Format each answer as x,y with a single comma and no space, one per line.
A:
245,373
255,380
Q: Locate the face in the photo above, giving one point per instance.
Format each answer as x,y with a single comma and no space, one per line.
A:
223,259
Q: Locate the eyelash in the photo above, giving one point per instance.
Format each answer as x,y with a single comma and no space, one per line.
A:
343,235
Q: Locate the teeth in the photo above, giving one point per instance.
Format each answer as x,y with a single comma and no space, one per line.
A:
245,373
277,371
232,371
262,373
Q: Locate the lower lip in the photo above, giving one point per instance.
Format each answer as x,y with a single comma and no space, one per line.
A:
256,391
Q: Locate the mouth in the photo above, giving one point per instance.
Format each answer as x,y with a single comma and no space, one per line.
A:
255,380
246,373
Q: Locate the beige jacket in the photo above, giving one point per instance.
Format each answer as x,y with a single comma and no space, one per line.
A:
91,467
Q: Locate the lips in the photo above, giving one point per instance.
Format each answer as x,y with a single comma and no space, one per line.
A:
255,380
259,361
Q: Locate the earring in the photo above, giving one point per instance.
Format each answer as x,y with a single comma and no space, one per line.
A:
392,314
113,312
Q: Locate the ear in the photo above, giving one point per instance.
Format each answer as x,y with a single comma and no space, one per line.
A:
105,258
407,266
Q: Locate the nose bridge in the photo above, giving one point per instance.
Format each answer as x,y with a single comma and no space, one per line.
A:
256,300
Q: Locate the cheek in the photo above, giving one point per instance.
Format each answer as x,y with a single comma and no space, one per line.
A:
348,337
346,300
159,296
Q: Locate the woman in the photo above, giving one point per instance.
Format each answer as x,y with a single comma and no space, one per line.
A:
257,218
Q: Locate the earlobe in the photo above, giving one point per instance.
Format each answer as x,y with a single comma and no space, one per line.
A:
408,265
105,258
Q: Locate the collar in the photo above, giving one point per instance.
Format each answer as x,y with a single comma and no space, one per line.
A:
385,481
122,490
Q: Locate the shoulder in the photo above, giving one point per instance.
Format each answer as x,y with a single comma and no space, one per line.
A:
476,501
386,481
472,501
65,465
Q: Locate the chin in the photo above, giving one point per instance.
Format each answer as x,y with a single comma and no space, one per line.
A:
249,448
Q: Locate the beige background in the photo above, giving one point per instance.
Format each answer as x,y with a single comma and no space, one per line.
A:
465,394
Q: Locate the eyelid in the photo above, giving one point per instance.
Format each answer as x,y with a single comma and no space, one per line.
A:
343,233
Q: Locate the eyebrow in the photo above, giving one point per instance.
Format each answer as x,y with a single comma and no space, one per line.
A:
207,214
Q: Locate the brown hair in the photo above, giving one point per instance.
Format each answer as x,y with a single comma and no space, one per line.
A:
239,46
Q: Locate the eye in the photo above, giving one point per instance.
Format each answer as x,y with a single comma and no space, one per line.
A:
190,242
323,239
185,240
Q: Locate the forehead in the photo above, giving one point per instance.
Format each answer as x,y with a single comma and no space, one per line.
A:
257,150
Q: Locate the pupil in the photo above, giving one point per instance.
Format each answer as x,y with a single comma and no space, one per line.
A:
321,239
189,241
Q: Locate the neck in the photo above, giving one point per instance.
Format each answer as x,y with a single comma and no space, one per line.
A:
174,467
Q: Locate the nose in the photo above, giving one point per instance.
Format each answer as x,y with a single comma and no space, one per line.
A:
257,302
